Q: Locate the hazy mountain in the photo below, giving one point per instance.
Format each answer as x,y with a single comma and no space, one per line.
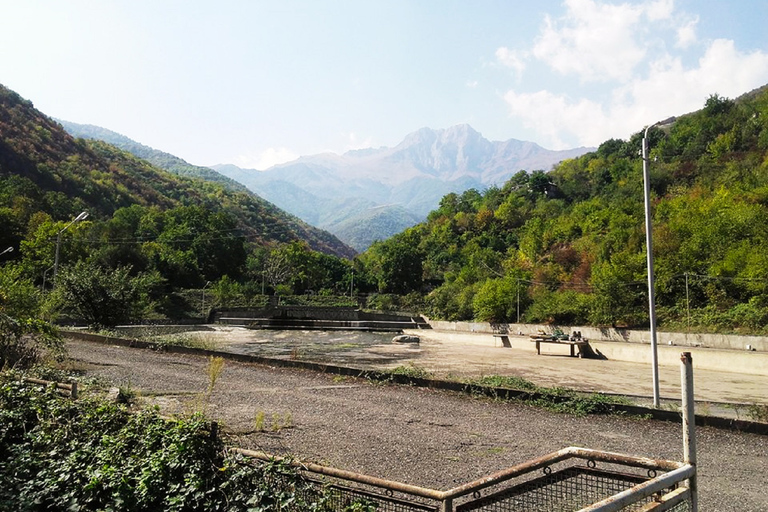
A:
414,175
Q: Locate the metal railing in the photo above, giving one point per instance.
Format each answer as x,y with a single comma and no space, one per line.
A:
566,480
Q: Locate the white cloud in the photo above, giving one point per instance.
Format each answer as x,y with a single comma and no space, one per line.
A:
659,10
639,67
686,34
353,142
264,159
668,89
511,59
593,40
555,115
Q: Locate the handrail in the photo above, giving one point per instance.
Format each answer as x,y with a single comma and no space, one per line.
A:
488,481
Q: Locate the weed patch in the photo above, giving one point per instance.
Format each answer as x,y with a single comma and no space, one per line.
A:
411,370
554,399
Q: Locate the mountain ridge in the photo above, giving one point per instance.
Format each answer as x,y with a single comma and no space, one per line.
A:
413,175
43,168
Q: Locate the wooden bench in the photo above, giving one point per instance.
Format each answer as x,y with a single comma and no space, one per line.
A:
572,344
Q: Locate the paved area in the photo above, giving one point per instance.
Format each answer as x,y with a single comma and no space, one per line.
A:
447,354
444,353
415,435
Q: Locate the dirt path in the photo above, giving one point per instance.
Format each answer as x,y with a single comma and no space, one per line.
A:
414,435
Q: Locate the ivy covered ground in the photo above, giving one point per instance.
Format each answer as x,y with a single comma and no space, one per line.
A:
89,454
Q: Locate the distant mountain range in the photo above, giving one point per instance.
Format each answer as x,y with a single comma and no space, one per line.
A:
368,194
371,194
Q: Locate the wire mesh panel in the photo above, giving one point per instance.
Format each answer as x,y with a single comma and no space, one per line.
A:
334,497
340,498
565,490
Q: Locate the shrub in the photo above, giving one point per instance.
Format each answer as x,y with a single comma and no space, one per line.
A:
58,454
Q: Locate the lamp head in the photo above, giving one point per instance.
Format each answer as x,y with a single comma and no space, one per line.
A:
668,120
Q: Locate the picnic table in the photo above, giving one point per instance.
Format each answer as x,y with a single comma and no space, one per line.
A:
560,338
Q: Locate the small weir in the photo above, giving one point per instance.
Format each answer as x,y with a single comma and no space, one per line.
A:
317,318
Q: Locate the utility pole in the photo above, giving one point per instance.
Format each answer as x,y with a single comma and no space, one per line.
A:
82,216
649,254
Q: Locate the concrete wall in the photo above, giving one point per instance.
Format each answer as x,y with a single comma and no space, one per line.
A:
717,341
742,361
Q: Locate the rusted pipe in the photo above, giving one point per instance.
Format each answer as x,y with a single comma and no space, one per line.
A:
668,501
59,385
347,475
446,497
689,423
626,460
506,474
641,491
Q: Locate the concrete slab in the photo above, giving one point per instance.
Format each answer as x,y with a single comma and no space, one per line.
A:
626,369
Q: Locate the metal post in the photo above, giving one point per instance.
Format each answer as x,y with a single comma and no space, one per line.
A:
81,216
518,302
202,307
687,308
10,249
689,423
56,258
649,253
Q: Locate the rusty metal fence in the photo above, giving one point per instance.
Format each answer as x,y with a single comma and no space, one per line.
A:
570,480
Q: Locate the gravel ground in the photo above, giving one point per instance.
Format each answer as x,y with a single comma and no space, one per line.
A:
418,436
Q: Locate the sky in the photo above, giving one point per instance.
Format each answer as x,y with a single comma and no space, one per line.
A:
257,83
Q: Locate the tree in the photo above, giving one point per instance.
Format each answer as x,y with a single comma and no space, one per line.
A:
24,337
496,300
397,263
102,297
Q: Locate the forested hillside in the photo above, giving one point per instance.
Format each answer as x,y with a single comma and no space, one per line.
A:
569,246
44,169
148,234
157,158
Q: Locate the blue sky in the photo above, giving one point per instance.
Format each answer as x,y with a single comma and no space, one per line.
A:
256,83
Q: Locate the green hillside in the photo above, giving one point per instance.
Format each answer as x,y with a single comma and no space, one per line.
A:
149,236
157,158
44,169
569,246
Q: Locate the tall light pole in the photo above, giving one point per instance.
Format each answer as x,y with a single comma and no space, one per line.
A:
202,307
10,249
649,254
82,216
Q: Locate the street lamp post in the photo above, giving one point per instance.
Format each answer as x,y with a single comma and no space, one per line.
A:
202,307
649,254
10,249
82,216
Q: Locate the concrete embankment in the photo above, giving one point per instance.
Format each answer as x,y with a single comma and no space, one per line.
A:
742,354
